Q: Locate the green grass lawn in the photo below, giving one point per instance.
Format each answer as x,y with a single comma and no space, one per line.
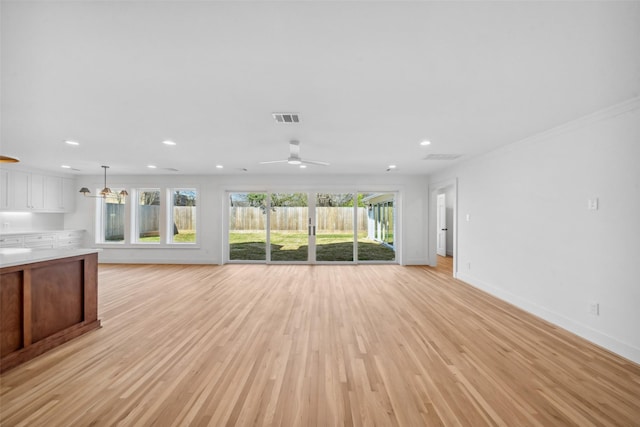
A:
294,247
184,237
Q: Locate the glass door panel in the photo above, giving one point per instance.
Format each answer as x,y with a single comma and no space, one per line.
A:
248,226
334,214
289,227
376,239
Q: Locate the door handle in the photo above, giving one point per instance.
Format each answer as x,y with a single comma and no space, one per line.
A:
444,229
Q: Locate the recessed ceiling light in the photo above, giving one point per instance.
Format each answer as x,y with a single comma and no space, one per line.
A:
167,142
425,142
151,166
72,142
303,166
219,166
392,166
65,167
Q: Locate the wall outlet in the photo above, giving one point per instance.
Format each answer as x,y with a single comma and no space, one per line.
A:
592,204
594,309
5,225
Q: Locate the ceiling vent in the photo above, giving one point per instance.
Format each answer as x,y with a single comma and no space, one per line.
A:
442,156
286,117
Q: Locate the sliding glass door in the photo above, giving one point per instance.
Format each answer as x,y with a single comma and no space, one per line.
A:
247,227
290,231
301,227
377,243
335,227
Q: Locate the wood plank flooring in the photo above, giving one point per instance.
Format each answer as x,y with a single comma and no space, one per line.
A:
297,345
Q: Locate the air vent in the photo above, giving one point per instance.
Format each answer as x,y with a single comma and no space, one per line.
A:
286,117
442,156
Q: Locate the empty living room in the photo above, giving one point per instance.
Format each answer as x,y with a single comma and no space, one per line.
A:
319,213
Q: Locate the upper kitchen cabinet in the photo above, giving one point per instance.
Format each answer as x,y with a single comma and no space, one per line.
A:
59,194
4,189
35,192
27,190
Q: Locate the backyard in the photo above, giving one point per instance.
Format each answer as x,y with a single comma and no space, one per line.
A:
292,246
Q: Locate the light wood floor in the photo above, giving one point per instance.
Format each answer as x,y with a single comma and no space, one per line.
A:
316,345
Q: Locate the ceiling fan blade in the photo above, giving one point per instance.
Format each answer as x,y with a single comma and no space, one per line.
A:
273,161
313,162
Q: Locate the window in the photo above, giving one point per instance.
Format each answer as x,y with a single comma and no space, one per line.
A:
153,217
148,225
182,224
112,218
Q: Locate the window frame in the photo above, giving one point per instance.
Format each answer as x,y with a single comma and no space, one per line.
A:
170,216
131,220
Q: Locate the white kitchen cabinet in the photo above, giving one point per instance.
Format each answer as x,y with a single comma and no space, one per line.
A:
19,191
70,239
4,189
69,192
12,242
43,240
53,194
36,192
59,194
26,191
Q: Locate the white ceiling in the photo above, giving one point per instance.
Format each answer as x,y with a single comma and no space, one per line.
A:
370,80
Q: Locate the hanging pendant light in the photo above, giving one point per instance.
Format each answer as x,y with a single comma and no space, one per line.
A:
8,159
106,191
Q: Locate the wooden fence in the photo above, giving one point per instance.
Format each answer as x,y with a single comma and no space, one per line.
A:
329,219
149,220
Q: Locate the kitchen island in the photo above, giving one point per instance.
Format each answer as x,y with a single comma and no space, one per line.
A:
47,297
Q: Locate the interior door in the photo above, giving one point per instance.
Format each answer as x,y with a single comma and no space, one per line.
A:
442,225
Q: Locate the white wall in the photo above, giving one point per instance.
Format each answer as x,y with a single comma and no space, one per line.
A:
213,204
531,239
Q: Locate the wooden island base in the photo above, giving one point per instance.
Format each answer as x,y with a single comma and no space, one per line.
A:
45,304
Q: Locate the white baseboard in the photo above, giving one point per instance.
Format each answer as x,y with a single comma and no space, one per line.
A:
415,261
610,343
156,261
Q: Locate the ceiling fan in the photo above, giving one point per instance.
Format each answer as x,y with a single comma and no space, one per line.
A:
294,157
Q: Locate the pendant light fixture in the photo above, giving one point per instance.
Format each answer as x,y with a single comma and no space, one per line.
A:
106,191
8,159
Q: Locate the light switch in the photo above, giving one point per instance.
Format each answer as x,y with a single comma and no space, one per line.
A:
592,204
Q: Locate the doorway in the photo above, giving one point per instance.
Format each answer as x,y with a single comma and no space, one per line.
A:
443,224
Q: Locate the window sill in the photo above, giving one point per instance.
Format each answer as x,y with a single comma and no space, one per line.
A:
147,245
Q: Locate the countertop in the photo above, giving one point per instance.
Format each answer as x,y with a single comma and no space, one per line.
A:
10,257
